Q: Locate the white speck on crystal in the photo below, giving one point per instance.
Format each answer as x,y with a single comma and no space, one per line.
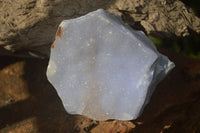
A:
51,66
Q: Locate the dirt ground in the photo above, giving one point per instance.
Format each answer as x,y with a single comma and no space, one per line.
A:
30,104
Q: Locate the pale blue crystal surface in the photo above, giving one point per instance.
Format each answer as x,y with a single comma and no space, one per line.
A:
103,69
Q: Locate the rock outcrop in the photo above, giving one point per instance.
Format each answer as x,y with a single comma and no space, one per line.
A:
28,27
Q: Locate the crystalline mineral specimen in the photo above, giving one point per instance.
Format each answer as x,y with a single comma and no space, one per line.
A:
103,69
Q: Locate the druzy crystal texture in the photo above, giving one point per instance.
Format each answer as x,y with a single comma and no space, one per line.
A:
103,69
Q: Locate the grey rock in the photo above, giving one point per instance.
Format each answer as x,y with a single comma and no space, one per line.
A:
103,69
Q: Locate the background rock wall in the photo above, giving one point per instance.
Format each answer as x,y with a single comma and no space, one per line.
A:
28,27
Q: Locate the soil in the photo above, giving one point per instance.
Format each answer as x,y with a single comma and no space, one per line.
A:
30,104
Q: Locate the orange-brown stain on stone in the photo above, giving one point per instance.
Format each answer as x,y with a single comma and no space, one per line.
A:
59,32
53,46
